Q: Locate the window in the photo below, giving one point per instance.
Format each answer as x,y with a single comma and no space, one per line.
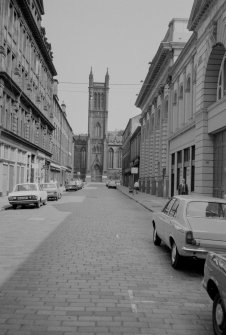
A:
181,92
205,209
174,208
111,158
221,85
188,85
169,204
98,130
175,98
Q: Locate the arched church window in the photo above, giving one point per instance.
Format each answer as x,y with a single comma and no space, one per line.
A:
95,100
102,101
98,100
221,84
98,130
111,158
119,158
83,157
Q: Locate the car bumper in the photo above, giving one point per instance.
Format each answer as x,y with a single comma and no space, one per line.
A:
23,202
52,195
194,252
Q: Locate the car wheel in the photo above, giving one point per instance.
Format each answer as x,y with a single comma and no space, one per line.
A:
175,256
14,206
156,238
38,204
218,316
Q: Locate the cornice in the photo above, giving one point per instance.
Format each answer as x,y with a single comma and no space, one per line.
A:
199,9
24,6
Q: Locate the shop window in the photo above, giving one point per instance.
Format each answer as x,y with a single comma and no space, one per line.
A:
187,155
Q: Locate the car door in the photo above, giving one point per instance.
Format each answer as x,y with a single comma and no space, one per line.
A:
174,227
164,221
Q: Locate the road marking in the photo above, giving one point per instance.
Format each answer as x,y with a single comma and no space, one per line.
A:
133,306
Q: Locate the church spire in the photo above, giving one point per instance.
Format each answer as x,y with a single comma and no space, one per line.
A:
91,77
107,78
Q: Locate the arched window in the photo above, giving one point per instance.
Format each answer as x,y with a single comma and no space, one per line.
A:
175,98
111,158
95,100
188,84
221,85
181,92
102,100
83,157
98,130
120,158
98,100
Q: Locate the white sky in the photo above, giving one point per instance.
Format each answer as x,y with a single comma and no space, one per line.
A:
122,35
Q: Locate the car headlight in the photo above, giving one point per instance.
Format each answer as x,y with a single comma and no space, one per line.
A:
32,197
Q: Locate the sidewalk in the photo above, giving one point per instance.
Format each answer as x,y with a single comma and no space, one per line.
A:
4,203
150,202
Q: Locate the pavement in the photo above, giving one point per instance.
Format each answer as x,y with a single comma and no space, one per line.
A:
148,201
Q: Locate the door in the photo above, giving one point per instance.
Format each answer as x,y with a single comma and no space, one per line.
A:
96,174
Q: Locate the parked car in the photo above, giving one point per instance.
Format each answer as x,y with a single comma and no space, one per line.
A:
191,226
214,282
112,184
26,194
79,183
53,190
71,186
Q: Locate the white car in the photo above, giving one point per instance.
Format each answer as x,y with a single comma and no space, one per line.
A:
191,226
26,194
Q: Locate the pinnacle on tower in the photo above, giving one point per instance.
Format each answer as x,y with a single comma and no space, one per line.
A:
91,77
107,78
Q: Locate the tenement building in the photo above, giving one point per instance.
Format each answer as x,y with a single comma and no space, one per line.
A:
26,95
183,124
103,149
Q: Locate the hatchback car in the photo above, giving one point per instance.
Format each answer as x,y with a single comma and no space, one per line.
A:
191,226
26,194
53,190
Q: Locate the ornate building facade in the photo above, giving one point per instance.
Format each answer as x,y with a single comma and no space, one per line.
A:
26,95
183,99
153,100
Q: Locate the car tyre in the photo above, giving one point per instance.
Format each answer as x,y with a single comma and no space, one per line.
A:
156,239
219,316
38,204
175,256
14,206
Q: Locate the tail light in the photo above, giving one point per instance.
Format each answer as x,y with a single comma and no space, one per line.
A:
190,238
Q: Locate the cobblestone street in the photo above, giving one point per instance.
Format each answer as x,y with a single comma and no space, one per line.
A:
87,265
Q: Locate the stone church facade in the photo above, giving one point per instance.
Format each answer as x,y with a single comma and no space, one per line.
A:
100,149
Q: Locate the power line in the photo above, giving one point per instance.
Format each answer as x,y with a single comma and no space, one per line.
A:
113,84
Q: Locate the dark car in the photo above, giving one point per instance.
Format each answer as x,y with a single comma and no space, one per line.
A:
71,186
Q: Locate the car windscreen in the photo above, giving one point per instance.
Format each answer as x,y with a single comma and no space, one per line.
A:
25,187
206,209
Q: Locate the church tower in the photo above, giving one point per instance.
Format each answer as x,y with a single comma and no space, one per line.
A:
97,148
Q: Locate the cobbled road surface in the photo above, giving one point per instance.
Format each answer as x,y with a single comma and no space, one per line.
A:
86,264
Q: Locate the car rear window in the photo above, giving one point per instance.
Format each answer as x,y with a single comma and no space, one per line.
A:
49,185
206,209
